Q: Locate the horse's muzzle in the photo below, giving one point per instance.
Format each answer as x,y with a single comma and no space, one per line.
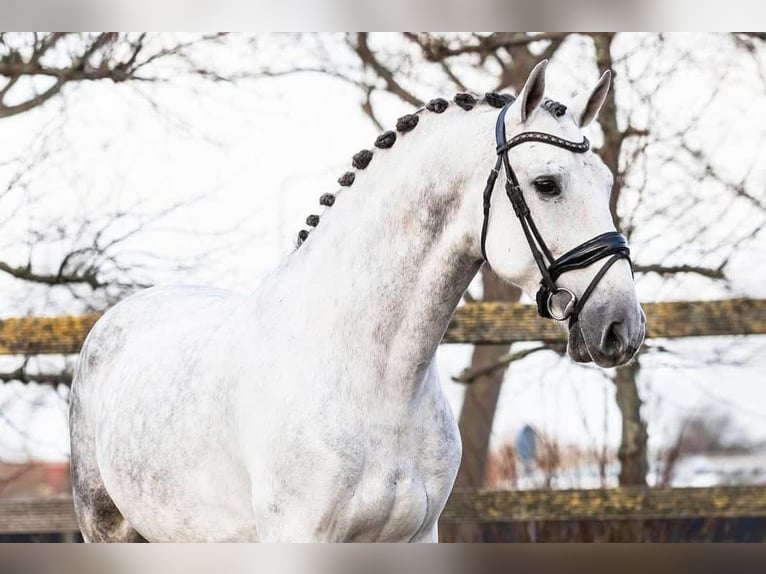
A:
613,345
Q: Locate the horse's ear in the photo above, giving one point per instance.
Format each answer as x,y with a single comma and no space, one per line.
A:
585,107
532,92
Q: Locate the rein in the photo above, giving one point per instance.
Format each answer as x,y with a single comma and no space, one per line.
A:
611,244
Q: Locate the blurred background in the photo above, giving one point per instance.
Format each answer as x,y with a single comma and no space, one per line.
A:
129,160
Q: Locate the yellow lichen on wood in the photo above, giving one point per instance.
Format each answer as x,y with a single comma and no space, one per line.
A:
504,323
474,323
639,503
634,503
44,335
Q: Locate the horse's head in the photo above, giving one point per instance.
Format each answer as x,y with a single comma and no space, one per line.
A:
566,192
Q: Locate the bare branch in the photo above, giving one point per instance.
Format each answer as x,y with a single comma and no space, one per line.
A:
369,59
436,49
33,102
708,169
470,375
21,375
86,57
25,273
673,269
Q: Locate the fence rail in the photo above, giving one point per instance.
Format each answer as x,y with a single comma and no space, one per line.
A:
37,515
503,323
476,323
44,335
46,515
635,503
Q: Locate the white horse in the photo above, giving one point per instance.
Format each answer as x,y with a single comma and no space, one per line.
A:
310,409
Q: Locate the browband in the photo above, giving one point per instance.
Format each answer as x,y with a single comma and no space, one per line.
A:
524,137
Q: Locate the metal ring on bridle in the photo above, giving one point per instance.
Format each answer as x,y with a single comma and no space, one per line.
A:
568,308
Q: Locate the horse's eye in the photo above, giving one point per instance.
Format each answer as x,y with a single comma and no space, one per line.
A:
547,186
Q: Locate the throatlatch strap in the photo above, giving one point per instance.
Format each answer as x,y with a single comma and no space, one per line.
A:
488,203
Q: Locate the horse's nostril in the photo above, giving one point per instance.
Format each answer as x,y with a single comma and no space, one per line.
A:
615,339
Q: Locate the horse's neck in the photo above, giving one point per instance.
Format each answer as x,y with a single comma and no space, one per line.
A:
389,262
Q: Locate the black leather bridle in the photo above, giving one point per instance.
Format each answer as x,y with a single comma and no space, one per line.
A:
611,244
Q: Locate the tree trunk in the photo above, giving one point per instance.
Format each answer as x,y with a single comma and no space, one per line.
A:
632,453
479,406
478,411
607,119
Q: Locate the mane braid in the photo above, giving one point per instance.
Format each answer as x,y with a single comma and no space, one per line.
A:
555,108
406,124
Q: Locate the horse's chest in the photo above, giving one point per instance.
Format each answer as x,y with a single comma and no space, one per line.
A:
391,507
401,494
357,470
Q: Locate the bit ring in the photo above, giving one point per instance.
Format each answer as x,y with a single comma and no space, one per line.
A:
568,308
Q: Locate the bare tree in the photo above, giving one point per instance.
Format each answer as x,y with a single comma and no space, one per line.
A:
35,69
86,262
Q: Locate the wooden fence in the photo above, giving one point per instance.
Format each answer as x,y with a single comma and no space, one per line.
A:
474,323
48,515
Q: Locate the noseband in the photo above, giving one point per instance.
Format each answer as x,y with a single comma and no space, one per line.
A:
611,244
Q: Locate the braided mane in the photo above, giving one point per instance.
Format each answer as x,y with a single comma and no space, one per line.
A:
407,123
